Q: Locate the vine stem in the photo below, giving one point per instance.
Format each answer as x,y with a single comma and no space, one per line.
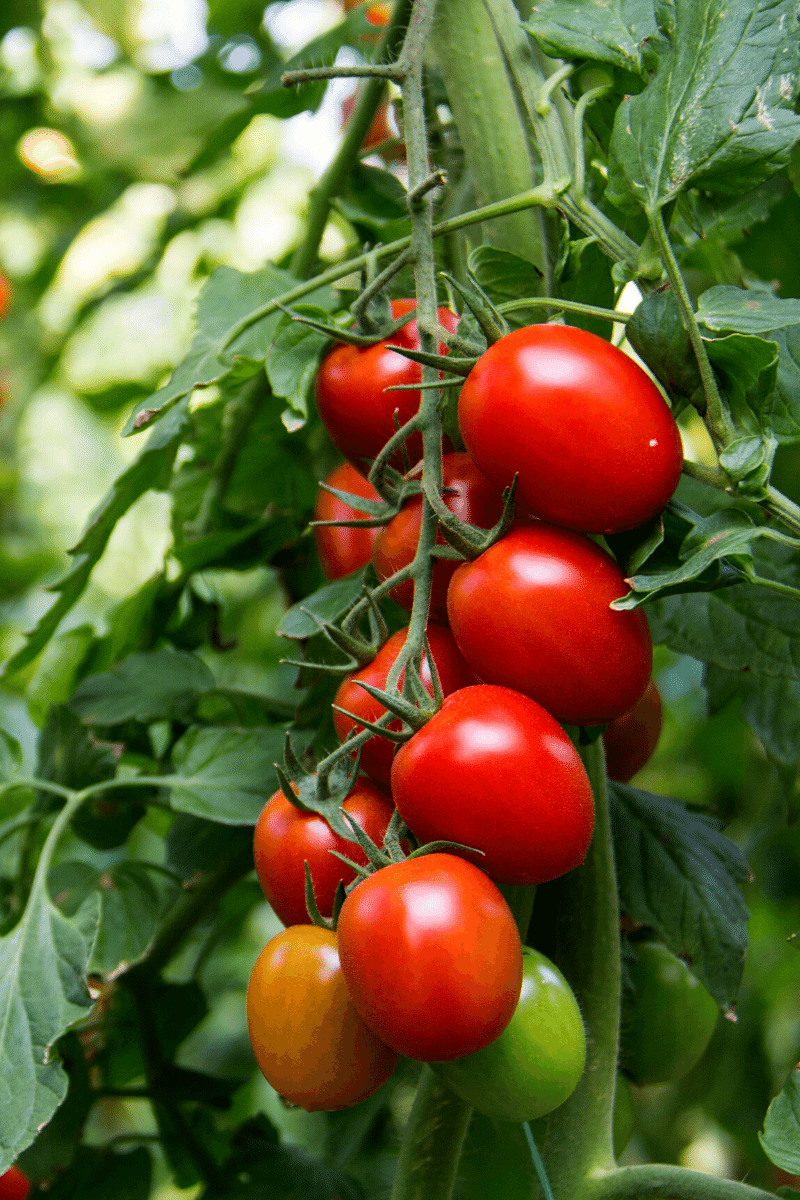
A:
662,1181
432,1143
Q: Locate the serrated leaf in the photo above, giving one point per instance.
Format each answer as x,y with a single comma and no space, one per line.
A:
150,686
611,31
770,706
740,310
293,363
679,875
504,276
225,774
780,1138
747,367
326,604
718,112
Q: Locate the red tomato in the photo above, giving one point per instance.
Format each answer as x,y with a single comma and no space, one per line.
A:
14,1185
351,400
286,838
594,442
631,739
380,130
308,1039
495,771
377,753
532,613
343,549
6,295
432,957
476,500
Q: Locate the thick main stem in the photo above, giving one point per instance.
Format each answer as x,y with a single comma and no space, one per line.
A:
432,1143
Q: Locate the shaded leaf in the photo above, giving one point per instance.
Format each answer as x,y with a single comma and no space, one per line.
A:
770,706
98,1174
328,603
781,1135
225,774
150,686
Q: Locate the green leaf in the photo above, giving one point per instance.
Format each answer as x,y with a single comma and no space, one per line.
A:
680,876
328,603
56,1145
177,1009
504,276
740,310
292,366
586,278
57,670
611,31
718,113
770,706
225,774
375,202
747,368
658,335
781,1136
194,845
98,1174
151,686
10,756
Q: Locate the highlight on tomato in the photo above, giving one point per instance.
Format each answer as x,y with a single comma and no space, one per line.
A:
494,771
532,613
432,956
285,839
591,438
309,1042
343,548
631,739
536,1062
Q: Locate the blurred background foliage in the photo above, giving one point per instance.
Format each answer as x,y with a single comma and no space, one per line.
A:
114,209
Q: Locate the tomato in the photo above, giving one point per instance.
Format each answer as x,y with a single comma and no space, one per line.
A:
432,956
539,1057
343,548
475,500
494,771
532,613
380,130
594,442
350,390
14,1185
286,838
665,1030
6,295
631,739
309,1042
453,672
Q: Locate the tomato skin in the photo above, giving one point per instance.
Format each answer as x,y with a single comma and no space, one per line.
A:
309,1042
536,1062
665,1031
532,613
475,500
595,444
352,403
286,838
432,957
14,1185
630,740
345,548
493,770
378,752
6,296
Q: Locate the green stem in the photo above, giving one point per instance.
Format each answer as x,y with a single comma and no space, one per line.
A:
588,310
783,508
432,1142
774,585
660,1181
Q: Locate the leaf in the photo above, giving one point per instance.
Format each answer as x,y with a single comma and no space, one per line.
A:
58,670
195,845
375,201
658,335
292,366
504,276
328,603
770,706
740,310
225,774
151,686
177,1009
611,31
780,1138
152,469
718,113
681,877
586,278
98,1174
10,756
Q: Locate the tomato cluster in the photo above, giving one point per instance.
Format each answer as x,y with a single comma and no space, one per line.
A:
425,959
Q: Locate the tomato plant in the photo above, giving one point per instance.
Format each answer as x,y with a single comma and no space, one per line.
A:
286,839
6,294
494,771
432,957
14,1185
629,740
536,1062
532,613
308,1039
343,548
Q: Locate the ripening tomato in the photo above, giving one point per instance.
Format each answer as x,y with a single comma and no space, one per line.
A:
536,1062
14,1185
432,957
532,613
352,401
286,838
453,672
343,548
380,130
473,499
309,1042
630,740
6,294
593,440
494,771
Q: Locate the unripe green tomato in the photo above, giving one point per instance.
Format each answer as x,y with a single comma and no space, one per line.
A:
535,1064
666,1029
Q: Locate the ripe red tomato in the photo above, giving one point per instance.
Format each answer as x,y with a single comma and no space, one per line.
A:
351,400
475,500
343,549
380,130
308,1039
594,442
14,1185
6,294
494,771
631,739
532,613
377,753
432,957
286,838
